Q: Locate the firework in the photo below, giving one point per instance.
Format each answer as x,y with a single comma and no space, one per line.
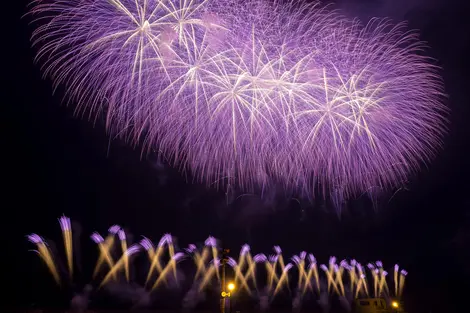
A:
67,235
105,255
45,254
105,247
155,256
122,262
253,92
346,279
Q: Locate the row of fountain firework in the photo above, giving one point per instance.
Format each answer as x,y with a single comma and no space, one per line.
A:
346,279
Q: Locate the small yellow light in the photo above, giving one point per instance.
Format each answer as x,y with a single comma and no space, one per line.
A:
395,304
231,286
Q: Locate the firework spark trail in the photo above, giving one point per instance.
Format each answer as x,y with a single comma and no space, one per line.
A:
212,243
45,254
201,259
120,263
177,257
155,261
338,270
122,238
250,272
363,279
302,274
395,278
314,270
254,91
282,265
104,253
352,275
171,251
403,274
244,269
238,274
330,279
271,266
205,268
209,273
148,246
282,279
67,235
105,248
244,258
383,287
375,275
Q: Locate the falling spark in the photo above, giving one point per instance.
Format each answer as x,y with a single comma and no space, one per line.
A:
258,91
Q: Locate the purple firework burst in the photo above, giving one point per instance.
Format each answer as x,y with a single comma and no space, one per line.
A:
252,92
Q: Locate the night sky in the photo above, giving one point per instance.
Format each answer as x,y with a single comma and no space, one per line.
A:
59,164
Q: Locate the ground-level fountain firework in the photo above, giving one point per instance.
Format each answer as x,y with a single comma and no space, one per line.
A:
260,277
251,93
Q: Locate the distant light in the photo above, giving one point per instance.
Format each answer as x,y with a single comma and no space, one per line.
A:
395,304
231,286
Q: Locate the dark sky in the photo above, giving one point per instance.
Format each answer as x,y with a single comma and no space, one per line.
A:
56,163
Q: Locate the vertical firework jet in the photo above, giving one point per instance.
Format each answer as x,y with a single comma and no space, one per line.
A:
345,279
